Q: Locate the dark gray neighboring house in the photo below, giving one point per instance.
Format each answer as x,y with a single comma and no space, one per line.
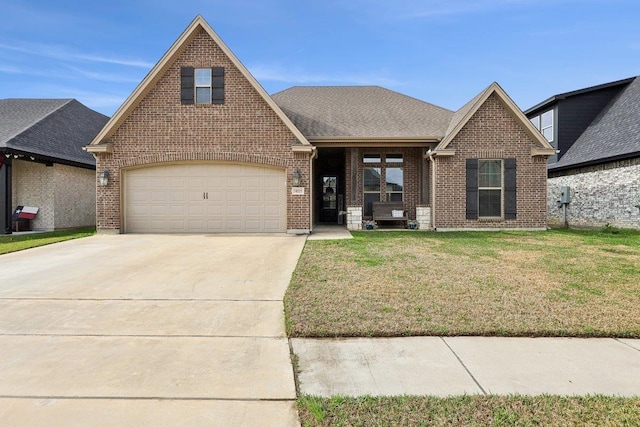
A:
42,163
597,133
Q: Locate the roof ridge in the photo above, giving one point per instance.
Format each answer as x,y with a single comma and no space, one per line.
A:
41,119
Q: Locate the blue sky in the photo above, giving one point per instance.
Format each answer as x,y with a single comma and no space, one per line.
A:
443,52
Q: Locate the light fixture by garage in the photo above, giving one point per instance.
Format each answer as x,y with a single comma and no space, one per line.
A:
103,178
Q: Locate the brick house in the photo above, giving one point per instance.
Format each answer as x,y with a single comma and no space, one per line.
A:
199,146
596,131
42,163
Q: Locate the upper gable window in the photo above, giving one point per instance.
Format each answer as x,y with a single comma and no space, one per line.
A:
203,85
545,124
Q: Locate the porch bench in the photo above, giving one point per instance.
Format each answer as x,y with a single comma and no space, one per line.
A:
390,211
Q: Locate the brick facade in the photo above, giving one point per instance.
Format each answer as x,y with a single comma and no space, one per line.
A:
64,195
492,133
602,194
244,129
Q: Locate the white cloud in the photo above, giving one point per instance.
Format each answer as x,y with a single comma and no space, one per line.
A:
63,54
297,76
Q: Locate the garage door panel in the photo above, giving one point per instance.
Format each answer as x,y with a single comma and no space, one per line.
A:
184,198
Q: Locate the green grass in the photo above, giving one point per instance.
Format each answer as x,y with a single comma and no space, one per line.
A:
555,283
474,410
12,243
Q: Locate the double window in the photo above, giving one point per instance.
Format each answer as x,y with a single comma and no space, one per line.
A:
384,181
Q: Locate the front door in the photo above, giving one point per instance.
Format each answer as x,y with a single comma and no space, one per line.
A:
329,202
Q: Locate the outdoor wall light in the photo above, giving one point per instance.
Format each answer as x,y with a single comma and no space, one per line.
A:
297,177
103,178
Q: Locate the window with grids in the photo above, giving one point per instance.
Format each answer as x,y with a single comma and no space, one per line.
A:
203,85
489,188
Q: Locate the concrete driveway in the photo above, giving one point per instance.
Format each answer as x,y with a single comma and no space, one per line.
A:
148,330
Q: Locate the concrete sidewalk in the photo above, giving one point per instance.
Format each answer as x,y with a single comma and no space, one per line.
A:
445,366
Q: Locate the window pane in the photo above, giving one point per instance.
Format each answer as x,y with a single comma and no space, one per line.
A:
546,119
203,95
369,198
395,180
548,133
203,76
490,173
371,158
536,122
394,158
372,179
490,203
394,197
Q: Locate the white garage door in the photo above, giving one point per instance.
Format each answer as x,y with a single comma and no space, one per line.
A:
205,198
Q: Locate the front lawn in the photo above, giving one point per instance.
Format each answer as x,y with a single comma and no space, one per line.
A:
469,411
554,283
18,242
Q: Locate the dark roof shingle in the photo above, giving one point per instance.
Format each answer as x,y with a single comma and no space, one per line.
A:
56,129
614,133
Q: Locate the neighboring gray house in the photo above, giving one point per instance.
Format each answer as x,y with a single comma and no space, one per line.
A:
597,133
42,163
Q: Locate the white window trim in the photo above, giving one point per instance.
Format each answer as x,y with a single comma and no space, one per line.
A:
196,86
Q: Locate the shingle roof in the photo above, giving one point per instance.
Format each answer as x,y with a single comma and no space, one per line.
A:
614,133
55,129
361,111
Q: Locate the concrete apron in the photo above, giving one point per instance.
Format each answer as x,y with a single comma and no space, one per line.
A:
148,330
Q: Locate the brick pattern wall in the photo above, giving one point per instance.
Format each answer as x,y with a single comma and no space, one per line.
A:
64,195
160,129
492,133
33,185
75,197
600,195
412,157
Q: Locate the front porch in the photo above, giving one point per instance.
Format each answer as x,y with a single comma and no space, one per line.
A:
347,181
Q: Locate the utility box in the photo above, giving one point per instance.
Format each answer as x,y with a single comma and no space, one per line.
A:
565,195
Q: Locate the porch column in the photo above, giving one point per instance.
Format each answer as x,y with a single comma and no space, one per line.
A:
5,196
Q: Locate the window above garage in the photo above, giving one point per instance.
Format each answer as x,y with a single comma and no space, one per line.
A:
202,85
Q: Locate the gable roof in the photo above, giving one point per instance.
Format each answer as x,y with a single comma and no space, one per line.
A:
50,129
613,134
365,112
161,67
464,114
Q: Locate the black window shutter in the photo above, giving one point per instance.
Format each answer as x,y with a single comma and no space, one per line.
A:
510,200
472,188
217,85
186,85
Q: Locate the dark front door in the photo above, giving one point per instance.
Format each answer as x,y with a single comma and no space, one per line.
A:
329,205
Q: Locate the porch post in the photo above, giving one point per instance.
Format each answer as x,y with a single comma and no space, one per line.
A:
5,196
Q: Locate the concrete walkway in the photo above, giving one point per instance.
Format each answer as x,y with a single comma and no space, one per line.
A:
136,330
468,365
330,232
